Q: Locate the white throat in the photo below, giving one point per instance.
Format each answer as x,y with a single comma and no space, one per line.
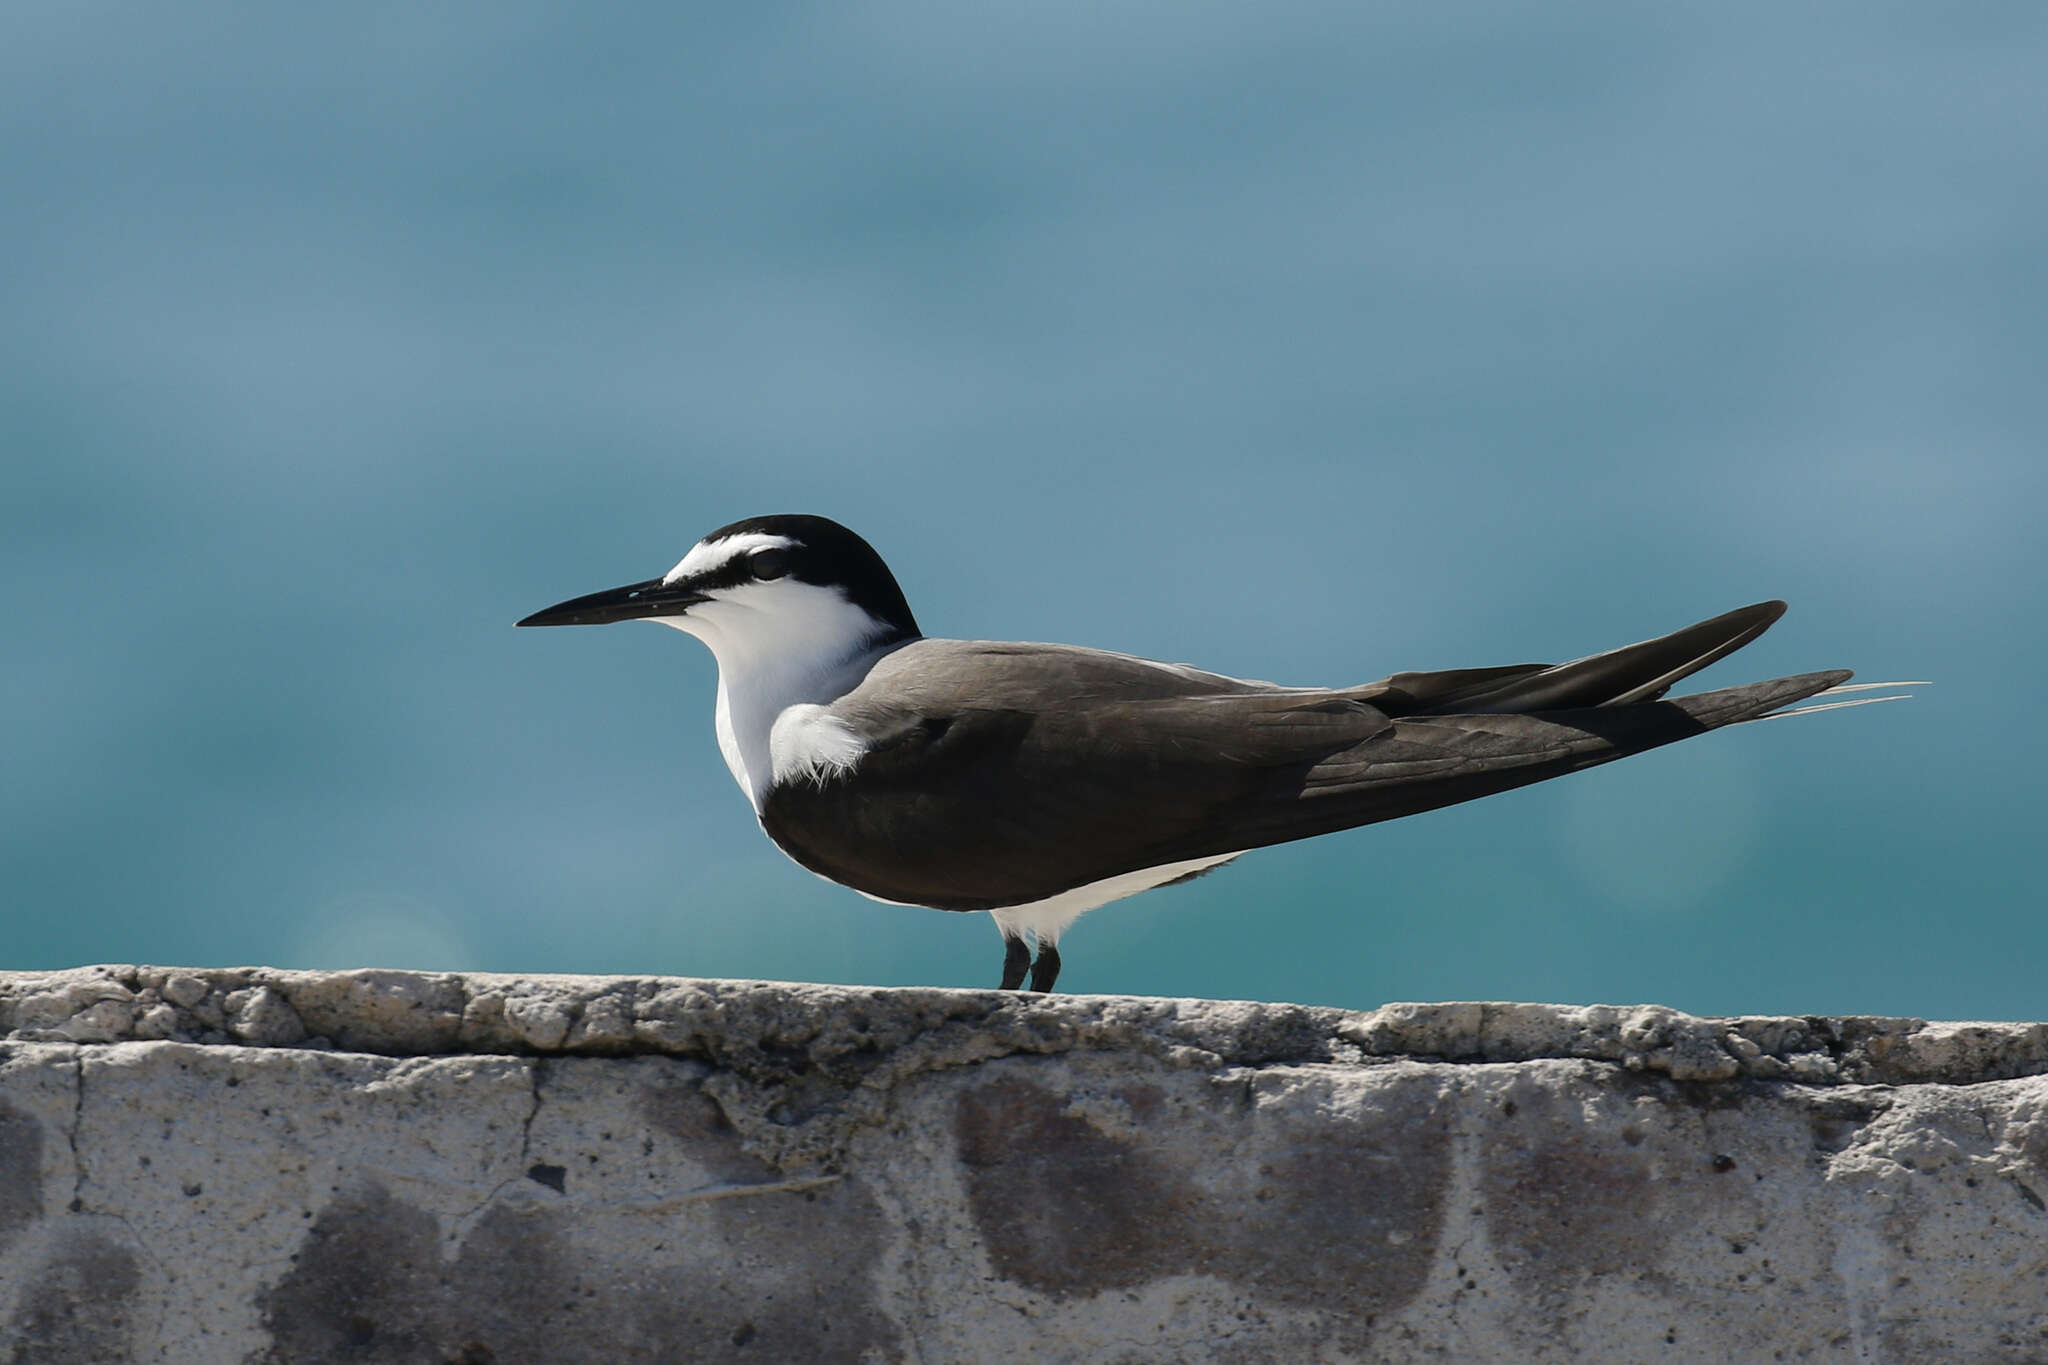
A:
785,650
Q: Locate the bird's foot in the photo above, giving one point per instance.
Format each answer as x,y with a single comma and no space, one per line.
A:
1016,961
1046,970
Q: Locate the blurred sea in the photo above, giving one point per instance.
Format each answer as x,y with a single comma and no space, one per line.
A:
1306,342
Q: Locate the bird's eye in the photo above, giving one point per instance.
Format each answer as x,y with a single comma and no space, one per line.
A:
770,564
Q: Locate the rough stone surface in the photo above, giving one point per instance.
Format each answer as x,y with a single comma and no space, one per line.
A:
261,1166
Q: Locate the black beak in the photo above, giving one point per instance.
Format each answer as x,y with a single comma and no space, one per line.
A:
630,603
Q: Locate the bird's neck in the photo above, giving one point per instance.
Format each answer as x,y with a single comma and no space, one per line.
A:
762,675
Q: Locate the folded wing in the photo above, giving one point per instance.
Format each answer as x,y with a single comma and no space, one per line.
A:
986,785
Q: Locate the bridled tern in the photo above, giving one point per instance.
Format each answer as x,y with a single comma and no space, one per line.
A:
1038,782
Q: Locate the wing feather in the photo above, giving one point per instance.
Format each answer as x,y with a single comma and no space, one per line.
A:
979,807
1005,774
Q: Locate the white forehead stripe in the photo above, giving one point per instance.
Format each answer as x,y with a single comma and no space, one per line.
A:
707,555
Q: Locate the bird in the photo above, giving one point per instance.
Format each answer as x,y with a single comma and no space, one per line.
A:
1037,782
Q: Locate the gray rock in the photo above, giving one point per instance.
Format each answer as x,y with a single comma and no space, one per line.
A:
262,1016
616,1169
184,990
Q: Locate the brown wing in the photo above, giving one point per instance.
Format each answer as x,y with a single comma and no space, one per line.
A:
1427,762
974,807
1004,774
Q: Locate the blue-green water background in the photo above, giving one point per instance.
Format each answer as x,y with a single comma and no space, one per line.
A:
1304,342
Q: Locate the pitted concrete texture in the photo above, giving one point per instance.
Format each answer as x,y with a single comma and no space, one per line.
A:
262,1166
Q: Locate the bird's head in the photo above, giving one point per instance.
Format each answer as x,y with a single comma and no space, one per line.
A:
784,585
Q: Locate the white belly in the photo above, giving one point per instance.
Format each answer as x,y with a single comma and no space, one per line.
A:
1046,920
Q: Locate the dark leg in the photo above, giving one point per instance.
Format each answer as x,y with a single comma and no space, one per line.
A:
1046,970
1016,957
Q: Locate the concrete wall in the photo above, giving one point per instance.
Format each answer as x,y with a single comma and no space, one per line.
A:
250,1165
